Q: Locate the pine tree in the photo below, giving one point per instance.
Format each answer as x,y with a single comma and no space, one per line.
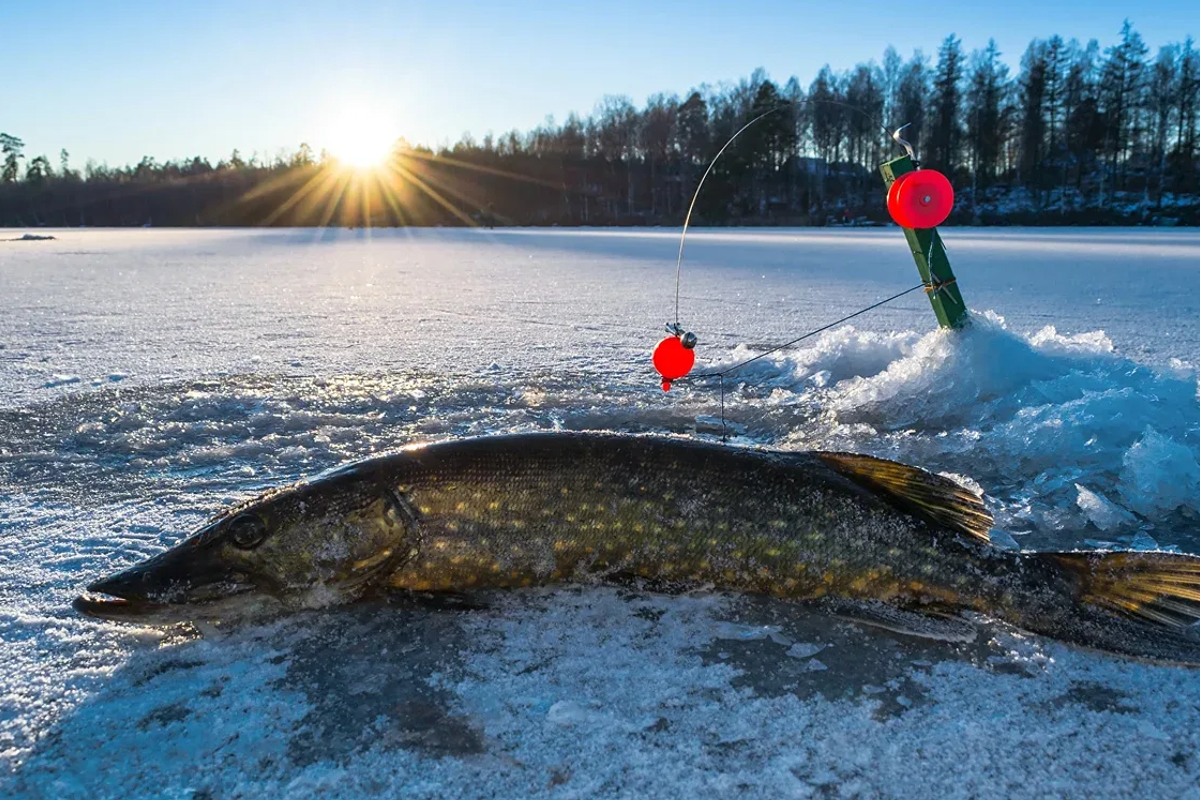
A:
12,149
985,126
1121,93
39,170
945,133
1056,54
864,95
1187,117
1162,87
658,135
1084,129
893,73
1032,109
912,101
825,118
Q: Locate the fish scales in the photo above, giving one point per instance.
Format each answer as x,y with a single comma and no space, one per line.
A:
588,508
898,543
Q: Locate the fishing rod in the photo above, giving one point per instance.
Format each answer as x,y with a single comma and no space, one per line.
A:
918,201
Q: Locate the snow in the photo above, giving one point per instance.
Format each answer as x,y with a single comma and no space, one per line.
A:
147,378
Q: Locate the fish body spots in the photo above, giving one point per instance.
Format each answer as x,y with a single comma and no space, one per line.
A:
561,522
371,561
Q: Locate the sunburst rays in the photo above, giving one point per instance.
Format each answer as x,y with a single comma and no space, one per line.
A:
403,190
411,187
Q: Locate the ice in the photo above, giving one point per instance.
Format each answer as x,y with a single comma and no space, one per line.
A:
804,650
1100,511
1160,474
149,378
61,380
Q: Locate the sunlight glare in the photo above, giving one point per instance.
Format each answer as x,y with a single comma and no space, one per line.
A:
361,138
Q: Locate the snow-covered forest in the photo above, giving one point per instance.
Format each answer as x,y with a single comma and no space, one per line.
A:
1079,133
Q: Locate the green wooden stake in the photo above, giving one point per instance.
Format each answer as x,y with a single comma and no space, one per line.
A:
930,255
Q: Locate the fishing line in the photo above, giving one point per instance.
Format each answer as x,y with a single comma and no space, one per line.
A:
797,104
722,374
677,329
822,329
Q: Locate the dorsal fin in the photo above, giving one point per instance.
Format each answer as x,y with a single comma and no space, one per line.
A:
925,495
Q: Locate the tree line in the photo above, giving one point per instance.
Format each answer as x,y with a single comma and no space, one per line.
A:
1078,134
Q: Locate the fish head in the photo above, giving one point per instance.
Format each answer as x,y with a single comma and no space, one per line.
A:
308,545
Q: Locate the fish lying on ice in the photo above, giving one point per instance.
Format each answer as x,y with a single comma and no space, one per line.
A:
889,544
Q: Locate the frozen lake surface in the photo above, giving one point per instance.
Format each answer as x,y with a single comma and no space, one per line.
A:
148,378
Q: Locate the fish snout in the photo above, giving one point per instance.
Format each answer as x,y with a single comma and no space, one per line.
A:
123,594
176,577
134,584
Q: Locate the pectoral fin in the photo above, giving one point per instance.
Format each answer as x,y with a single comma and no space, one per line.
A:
899,620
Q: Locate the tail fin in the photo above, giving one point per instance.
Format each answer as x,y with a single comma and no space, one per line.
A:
1162,588
1142,605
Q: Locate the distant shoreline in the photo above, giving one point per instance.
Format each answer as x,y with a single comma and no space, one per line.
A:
1048,221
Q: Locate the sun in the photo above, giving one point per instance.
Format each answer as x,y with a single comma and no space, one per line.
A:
360,137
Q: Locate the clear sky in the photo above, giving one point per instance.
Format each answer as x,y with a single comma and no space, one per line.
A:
117,80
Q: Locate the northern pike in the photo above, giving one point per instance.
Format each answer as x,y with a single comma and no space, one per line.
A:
890,544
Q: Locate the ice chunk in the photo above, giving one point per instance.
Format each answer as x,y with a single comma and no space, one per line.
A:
804,650
746,633
1160,474
1102,512
568,712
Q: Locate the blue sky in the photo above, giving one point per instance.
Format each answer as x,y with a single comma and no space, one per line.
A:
115,81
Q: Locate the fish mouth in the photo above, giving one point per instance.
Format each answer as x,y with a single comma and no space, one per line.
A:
172,586
106,606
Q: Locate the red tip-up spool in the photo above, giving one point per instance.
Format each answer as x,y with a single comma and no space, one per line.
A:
920,199
673,359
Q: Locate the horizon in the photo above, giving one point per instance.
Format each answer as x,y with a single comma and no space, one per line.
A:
430,77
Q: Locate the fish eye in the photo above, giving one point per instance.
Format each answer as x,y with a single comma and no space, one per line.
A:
247,531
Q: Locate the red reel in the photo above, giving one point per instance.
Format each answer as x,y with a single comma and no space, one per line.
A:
893,190
673,360
920,199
